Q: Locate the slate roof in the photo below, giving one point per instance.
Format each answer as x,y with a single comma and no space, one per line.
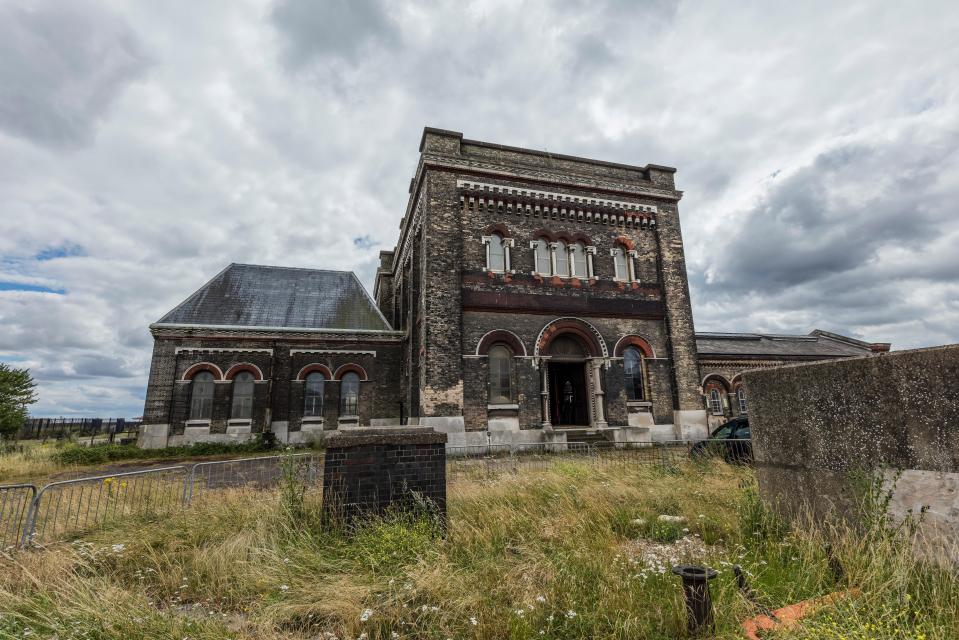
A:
249,295
818,344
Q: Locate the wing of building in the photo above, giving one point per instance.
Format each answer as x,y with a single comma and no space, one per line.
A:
531,297
724,356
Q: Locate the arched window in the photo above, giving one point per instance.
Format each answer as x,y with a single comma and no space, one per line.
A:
715,402
542,257
633,368
620,264
497,253
242,408
313,395
741,396
562,259
500,378
579,260
349,394
201,400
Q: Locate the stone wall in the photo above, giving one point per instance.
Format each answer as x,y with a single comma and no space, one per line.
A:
816,426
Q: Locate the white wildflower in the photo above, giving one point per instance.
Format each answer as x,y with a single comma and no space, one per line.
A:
570,614
540,599
473,622
667,518
284,587
118,548
366,615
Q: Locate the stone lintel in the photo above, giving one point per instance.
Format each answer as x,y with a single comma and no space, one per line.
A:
364,436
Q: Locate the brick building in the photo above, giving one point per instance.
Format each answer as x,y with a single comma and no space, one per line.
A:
724,356
530,297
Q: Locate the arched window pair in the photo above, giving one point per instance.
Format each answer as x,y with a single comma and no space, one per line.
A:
201,401
561,259
314,389
497,253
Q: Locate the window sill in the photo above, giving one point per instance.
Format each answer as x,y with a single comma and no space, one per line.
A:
313,420
239,421
503,407
198,423
638,403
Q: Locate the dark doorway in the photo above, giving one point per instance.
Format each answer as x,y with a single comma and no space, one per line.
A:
568,393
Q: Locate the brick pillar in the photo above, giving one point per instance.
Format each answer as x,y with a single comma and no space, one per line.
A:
441,395
367,471
687,403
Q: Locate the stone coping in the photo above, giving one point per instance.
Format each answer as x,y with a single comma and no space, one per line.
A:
363,436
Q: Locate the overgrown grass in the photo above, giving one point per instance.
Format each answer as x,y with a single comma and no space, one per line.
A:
100,454
573,551
33,462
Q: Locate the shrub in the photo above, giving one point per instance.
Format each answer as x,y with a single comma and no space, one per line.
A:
74,454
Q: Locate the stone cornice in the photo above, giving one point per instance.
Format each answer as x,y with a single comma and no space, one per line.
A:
273,333
557,178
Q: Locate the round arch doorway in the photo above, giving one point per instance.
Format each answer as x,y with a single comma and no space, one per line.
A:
568,382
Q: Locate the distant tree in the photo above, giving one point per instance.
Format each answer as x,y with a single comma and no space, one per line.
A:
16,394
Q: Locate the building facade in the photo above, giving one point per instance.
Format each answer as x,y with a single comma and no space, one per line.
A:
531,297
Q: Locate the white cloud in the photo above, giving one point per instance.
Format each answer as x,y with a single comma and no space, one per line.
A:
816,145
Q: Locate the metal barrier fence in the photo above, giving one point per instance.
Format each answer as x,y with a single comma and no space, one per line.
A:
112,430
70,507
15,501
264,472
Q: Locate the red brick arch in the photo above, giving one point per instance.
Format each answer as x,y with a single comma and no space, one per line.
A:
715,381
313,368
508,338
497,227
634,341
587,333
625,242
244,366
203,366
544,234
346,368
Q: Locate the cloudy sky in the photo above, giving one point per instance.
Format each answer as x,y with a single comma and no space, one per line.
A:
144,145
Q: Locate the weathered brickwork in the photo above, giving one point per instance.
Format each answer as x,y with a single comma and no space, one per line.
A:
461,285
463,192
371,472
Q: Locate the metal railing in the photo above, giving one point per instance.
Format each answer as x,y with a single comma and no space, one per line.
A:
65,508
101,430
68,507
265,472
15,501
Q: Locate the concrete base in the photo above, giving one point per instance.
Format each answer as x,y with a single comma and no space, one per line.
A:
628,435
443,424
239,430
690,424
281,430
506,423
311,433
153,436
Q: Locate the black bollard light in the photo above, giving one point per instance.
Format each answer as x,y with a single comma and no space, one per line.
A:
699,605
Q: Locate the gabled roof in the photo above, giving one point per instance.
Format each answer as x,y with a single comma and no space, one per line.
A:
256,296
818,344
